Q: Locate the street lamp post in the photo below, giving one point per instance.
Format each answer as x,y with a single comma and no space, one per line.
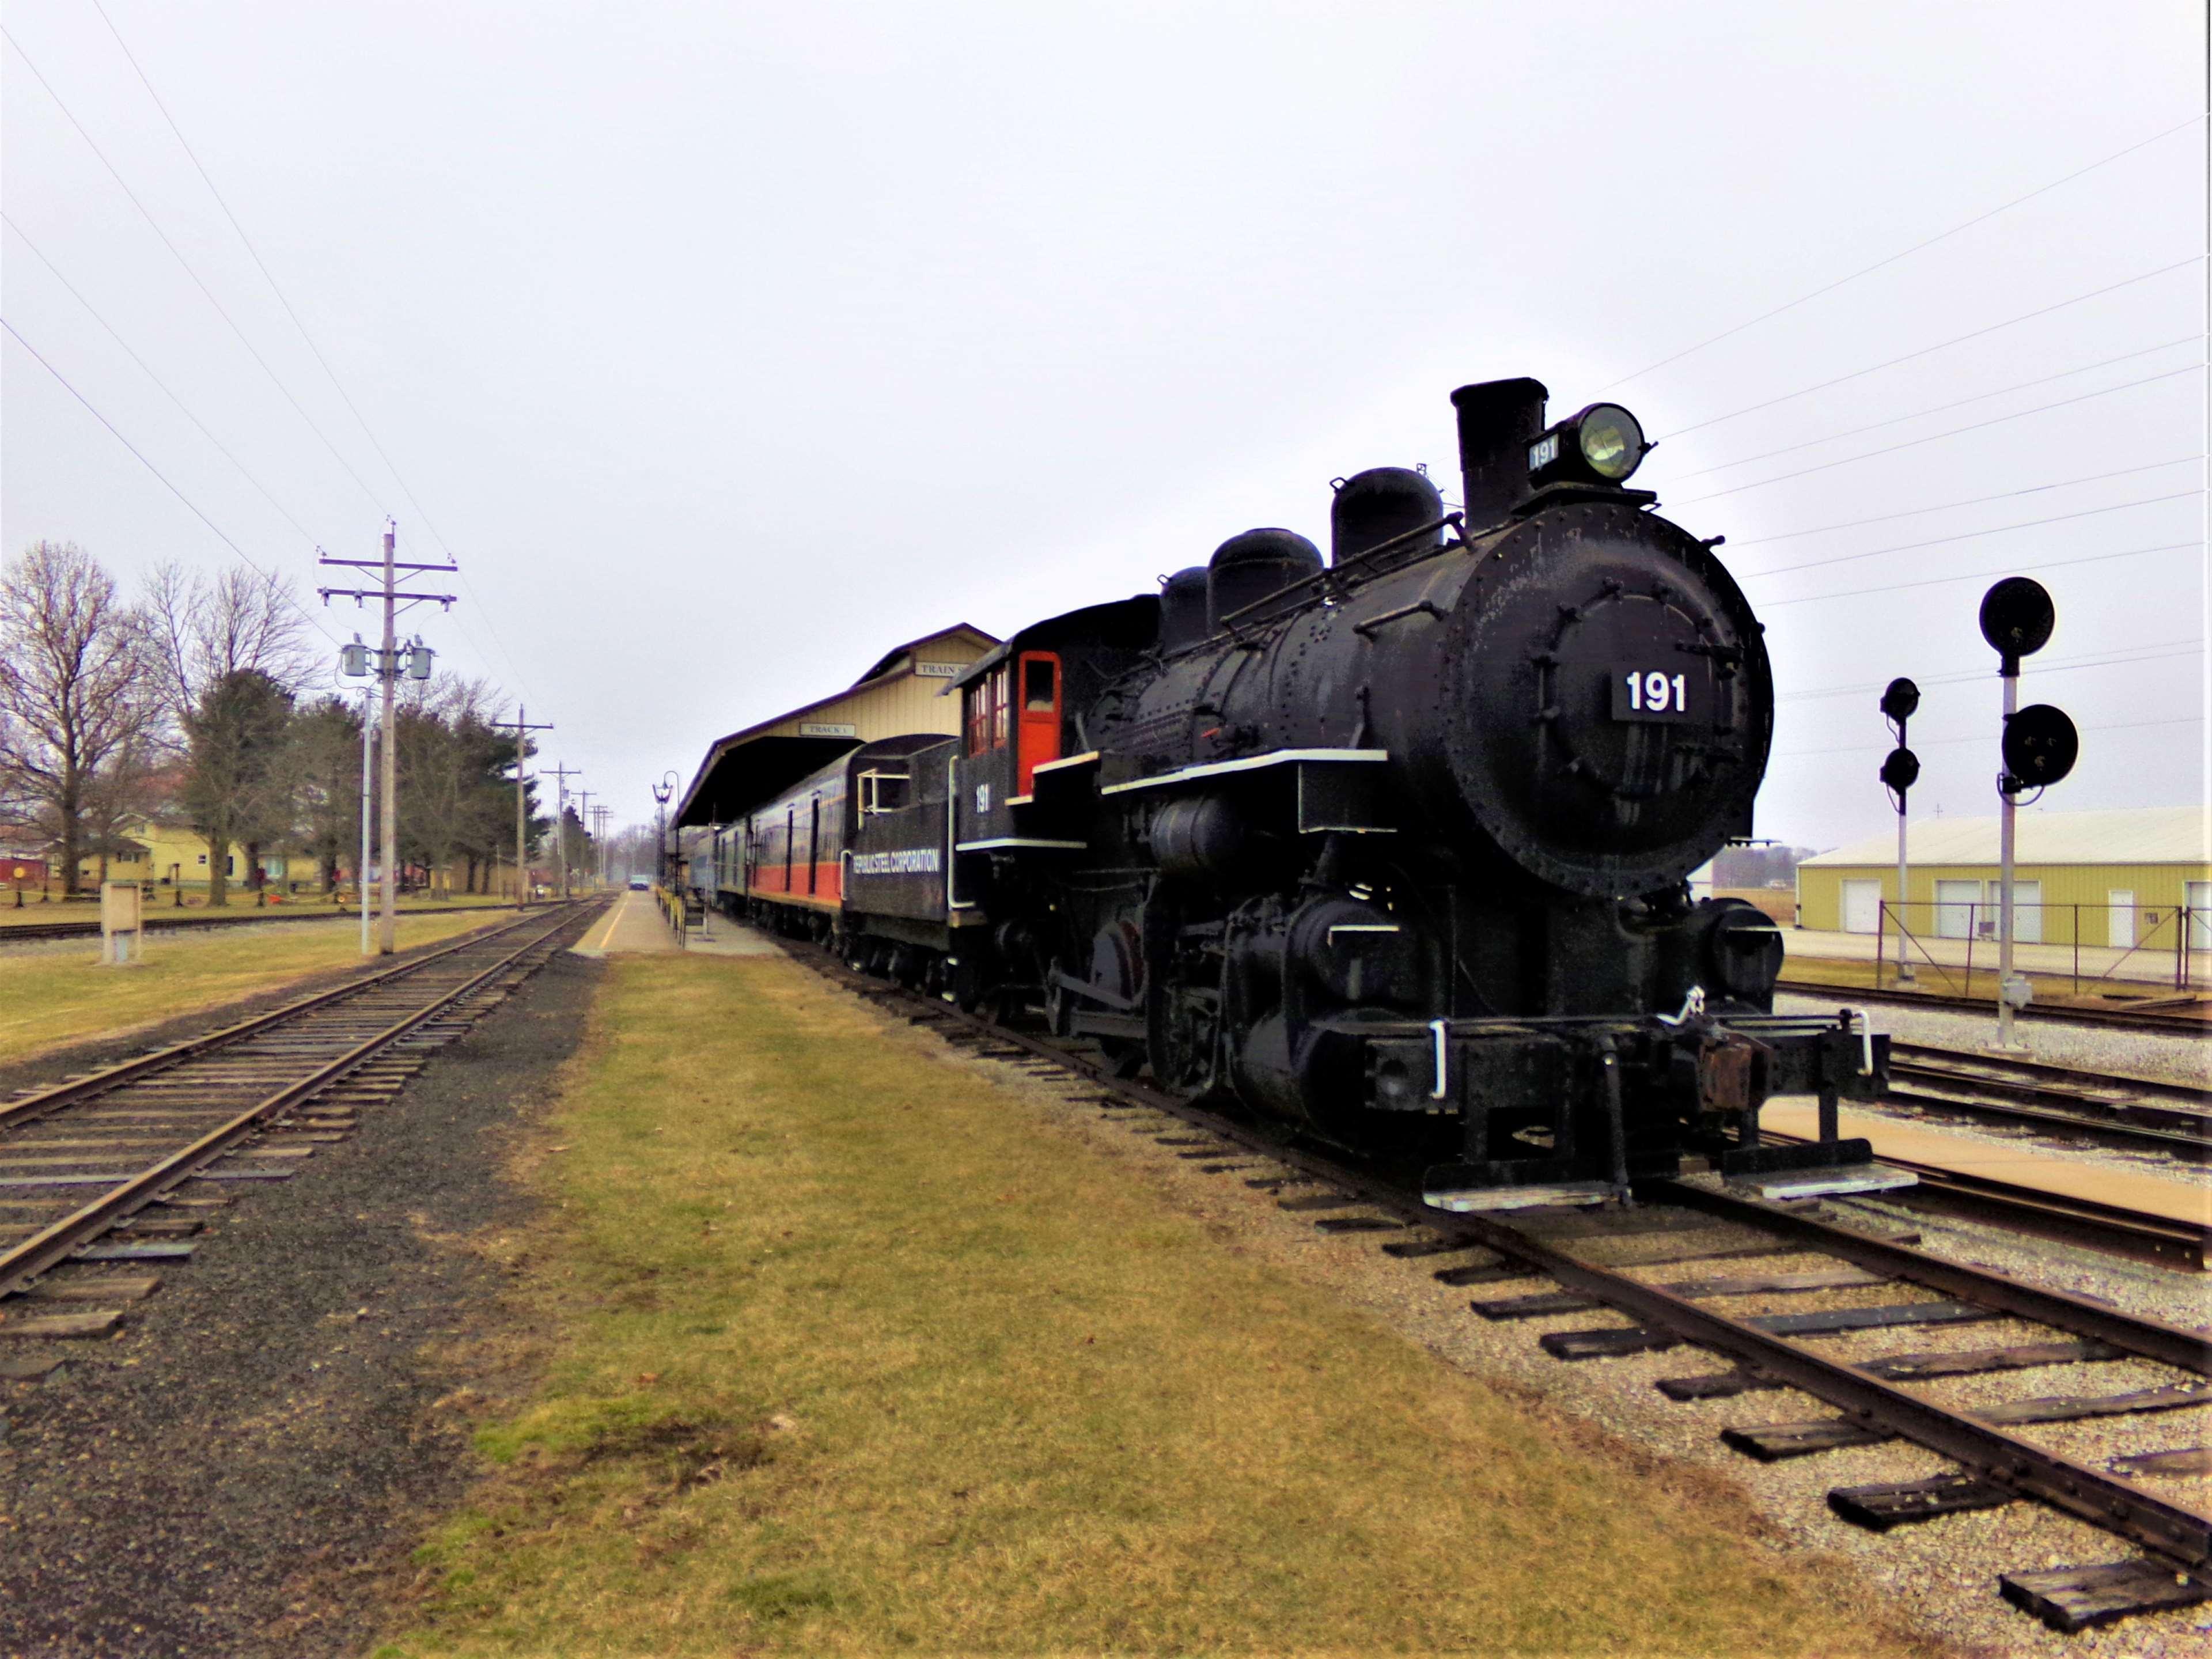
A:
663,792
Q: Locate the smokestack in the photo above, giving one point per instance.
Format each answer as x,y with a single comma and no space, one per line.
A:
1497,422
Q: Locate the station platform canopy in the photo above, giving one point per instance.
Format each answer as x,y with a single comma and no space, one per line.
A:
897,696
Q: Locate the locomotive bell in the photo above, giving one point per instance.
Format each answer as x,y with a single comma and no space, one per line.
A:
1379,505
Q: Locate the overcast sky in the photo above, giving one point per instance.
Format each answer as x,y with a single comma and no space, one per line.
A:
726,345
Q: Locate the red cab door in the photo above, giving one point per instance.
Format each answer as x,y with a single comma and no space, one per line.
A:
1037,688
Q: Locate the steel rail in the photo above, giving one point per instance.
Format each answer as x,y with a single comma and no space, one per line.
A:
69,1093
2105,1131
2059,1080
2109,1227
2177,1535
55,1243
2125,1018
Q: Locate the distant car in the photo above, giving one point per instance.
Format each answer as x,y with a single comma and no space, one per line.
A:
639,885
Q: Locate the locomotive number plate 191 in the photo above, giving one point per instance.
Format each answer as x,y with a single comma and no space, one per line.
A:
1651,694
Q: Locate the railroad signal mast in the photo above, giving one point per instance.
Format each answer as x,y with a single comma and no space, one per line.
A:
353,662
522,728
2040,747
1900,770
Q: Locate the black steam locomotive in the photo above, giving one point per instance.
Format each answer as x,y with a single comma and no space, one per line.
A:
1392,846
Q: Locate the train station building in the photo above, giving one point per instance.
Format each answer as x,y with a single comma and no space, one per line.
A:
2137,879
899,694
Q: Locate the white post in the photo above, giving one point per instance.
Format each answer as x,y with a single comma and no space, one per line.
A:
1904,967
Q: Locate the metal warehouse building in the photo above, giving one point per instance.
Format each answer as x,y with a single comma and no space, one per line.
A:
2136,878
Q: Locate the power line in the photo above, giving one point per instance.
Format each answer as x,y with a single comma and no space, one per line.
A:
298,408
282,300
1937,437
1971,575
243,469
1941,345
1944,507
1938,409
275,584
1977,737
1969,535
1891,259
2061,665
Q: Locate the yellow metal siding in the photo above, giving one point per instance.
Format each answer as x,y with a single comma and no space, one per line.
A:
2158,887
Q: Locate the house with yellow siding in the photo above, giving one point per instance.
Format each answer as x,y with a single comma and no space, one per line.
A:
2137,877
172,855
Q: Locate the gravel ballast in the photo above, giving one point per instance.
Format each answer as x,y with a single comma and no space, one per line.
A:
237,1471
1941,1576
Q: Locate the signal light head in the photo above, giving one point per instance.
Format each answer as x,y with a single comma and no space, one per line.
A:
1601,443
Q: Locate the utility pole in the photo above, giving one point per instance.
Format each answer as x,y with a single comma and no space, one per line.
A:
388,671
522,728
584,822
360,874
562,775
599,817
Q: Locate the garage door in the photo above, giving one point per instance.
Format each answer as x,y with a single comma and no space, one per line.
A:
1957,908
1861,907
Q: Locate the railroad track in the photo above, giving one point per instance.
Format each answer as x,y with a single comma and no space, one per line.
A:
2141,1114
1998,1460
2130,1019
29,932
124,1164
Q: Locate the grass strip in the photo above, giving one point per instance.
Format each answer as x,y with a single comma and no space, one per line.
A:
241,908
846,1353
50,998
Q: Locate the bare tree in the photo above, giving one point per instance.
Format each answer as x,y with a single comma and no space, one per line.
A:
233,654
77,696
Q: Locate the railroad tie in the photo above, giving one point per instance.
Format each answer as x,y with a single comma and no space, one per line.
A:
1896,1503
1559,1302
2070,1599
2192,1460
1904,1367
1605,1344
1771,1441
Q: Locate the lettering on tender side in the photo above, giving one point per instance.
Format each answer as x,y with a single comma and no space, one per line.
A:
906,861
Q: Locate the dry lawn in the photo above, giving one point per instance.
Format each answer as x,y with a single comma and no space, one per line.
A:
850,1354
50,996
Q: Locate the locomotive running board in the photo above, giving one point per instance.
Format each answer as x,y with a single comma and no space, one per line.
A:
1578,1193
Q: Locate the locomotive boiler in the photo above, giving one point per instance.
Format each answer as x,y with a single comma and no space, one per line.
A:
1391,845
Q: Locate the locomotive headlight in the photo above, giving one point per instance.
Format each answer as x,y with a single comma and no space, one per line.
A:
1603,444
